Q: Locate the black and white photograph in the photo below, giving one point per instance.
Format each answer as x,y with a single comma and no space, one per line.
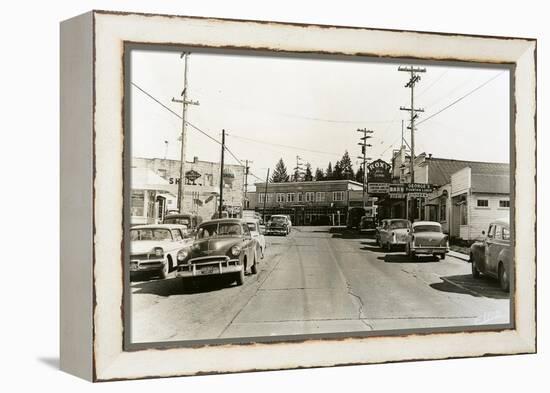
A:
282,196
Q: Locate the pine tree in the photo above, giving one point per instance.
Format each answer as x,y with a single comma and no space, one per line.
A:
346,167
319,175
308,176
280,174
329,174
337,173
359,175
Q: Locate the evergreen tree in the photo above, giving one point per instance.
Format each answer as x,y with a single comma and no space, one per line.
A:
346,167
308,175
359,175
329,174
319,175
337,173
280,174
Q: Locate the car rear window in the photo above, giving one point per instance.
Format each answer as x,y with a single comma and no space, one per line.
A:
427,228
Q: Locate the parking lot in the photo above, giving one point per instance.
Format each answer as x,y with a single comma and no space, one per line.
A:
319,280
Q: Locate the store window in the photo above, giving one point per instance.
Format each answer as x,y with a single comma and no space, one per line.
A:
464,214
338,196
137,203
503,203
482,203
319,196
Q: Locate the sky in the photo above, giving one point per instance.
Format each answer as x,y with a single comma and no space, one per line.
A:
281,107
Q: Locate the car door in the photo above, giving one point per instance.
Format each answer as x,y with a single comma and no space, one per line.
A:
494,248
483,264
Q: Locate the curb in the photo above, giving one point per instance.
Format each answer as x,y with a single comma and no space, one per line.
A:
459,255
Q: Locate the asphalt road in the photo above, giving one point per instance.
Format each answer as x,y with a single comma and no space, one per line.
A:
319,280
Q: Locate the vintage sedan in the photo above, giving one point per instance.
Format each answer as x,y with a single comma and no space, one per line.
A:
393,233
492,255
257,234
157,249
427,237
278,224
222,247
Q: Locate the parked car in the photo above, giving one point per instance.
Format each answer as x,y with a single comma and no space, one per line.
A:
393,232
222,247
354,217
191,221
492,255
257,234
278,224
427,237
367,224
157,249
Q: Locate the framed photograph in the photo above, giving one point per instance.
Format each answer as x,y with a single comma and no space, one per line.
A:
246,195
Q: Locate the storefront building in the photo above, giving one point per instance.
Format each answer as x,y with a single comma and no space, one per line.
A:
201,187
307,203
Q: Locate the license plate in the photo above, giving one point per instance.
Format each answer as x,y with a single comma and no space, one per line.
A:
134,266
209,270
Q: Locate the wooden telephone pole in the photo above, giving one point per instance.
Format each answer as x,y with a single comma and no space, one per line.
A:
184,101
221,176
413,112
364,146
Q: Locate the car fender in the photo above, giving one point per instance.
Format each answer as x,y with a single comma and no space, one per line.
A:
505,256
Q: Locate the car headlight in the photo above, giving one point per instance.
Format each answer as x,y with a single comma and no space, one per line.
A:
235,251
158,251
182,254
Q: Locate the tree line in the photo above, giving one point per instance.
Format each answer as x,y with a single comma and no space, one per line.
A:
342,170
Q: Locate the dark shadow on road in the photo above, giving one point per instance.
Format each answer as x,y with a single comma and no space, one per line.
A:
345,233
179,286
52,362
467,285
372,247
403,258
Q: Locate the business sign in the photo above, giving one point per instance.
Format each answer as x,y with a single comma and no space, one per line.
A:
418,188
378,188
379,172
417,195
397,188
192,175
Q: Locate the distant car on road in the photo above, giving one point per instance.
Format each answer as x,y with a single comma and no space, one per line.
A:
278,224
367,224
221,247
492,255
157,249
393,232
427,237
257,234
354,217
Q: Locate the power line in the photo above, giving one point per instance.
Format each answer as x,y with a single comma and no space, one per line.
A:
461,98
281,145
175,114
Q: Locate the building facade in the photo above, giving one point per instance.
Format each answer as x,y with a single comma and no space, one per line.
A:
467,195
201,184
308,203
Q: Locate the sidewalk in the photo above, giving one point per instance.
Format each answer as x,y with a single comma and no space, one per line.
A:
459,255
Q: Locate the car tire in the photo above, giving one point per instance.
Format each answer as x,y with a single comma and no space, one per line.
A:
388,247
253,268
475,272
262,251
165,270
503,278
240,278
442,256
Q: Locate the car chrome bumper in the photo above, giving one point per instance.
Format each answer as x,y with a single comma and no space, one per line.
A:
213,268
148,265
429,250
276,231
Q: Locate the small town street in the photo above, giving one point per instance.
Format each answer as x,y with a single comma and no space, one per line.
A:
319,280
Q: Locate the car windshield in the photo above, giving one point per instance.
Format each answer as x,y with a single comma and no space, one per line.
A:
252,226
222,229
278,220
150,234
177,220
427,228
399,224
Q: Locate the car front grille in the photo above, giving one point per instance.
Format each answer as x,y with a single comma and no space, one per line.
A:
140,257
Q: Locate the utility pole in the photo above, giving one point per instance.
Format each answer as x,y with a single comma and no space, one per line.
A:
246,171
364,146
265,195
221,176
183,136
413,112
